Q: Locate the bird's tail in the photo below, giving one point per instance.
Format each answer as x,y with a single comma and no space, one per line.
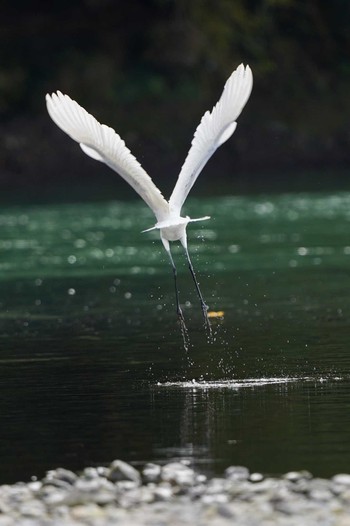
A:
176,222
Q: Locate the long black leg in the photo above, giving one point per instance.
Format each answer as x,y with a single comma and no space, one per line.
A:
178,307
180,315
203,304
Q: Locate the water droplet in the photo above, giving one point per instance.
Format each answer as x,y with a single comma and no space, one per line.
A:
233,249
302,251
131,251
80,243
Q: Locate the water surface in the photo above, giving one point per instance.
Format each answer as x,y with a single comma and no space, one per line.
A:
92,365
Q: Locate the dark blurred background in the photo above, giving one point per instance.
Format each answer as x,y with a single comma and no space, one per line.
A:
150,68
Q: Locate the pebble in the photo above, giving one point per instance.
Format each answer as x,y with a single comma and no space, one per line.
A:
163,492
295,476
178,473
175,494
61,474
256,477
342,478
151,472
237,473
120,470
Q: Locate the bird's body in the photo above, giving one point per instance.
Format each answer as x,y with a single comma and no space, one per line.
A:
173,229
102,143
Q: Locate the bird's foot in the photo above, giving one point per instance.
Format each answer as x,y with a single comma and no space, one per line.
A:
207,323
183,328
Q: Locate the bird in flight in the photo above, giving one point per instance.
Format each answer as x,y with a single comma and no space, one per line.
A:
103,144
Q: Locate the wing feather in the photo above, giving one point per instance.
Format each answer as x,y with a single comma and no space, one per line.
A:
102,143
214,129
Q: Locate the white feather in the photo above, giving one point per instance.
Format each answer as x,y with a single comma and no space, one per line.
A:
102,143
214,129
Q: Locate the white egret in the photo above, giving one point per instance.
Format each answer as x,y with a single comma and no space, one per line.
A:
102,143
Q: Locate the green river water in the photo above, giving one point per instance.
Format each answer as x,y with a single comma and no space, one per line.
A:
92,364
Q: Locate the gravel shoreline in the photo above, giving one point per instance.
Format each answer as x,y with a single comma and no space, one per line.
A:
174,494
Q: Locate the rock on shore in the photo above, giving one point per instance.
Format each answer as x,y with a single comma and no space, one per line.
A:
174,494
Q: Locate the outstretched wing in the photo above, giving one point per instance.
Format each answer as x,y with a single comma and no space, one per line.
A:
214,129
102,143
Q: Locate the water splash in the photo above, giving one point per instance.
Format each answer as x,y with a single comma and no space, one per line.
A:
245,382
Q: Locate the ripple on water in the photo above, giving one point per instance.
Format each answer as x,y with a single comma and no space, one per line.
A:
245,382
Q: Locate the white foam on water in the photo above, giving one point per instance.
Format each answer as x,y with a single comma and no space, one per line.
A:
246,382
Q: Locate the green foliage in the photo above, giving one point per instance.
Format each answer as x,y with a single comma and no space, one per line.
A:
86,42
146,63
